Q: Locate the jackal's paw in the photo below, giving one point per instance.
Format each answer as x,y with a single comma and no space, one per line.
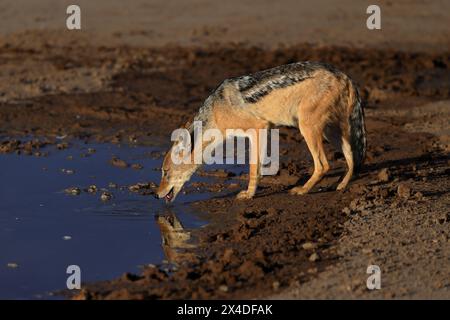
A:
244,195
298,191
341,186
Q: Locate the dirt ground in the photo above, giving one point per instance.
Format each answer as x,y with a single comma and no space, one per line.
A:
394,215
406,24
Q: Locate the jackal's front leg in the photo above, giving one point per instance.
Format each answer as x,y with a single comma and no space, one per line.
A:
252,183
254,172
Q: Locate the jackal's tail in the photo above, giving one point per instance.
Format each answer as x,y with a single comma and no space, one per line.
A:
357,130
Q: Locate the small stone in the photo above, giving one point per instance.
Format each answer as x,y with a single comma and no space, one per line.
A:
67,238
106,196
227,254
92,189
223,288
275,285
73,191
403,191
134,188
67,171
312,270
116,162
346,211
137,166
91,150
418,195
309,246
384,175
314,257
12,265
112,185
354,205
443,218
62,145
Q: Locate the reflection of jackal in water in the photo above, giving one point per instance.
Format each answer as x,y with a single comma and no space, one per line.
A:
318,99
174,238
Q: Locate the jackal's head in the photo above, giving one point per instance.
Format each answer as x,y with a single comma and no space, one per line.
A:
174,176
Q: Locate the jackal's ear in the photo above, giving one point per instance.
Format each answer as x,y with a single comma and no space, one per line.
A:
182,141
232,96
188,126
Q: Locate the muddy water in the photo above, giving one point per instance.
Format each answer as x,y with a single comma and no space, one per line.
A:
43,229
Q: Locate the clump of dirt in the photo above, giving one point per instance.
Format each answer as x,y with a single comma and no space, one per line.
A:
143,188
116,162
30,147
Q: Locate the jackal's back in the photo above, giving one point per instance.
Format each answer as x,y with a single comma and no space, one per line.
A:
256,86
251,89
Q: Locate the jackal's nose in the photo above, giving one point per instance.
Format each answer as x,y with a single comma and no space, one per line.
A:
158,195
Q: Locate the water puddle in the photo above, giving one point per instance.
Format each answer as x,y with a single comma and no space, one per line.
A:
44,229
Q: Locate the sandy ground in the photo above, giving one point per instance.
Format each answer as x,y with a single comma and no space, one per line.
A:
406,24
119,80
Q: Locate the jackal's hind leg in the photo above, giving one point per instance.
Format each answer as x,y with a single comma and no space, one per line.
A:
314,140
341,142
347,150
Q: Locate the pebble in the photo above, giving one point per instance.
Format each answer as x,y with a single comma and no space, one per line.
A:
67,238
346,211
116,162
308,246
73,191
67,171
223,288
92,188
138,186
314,257
403,191
384,175
62,145
418,195
137,166
275,285
106,196
12,265
113,185
312,270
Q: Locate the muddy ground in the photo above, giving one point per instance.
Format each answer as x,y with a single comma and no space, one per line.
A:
395,214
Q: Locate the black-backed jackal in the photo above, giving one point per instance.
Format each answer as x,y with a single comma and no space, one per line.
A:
318,99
